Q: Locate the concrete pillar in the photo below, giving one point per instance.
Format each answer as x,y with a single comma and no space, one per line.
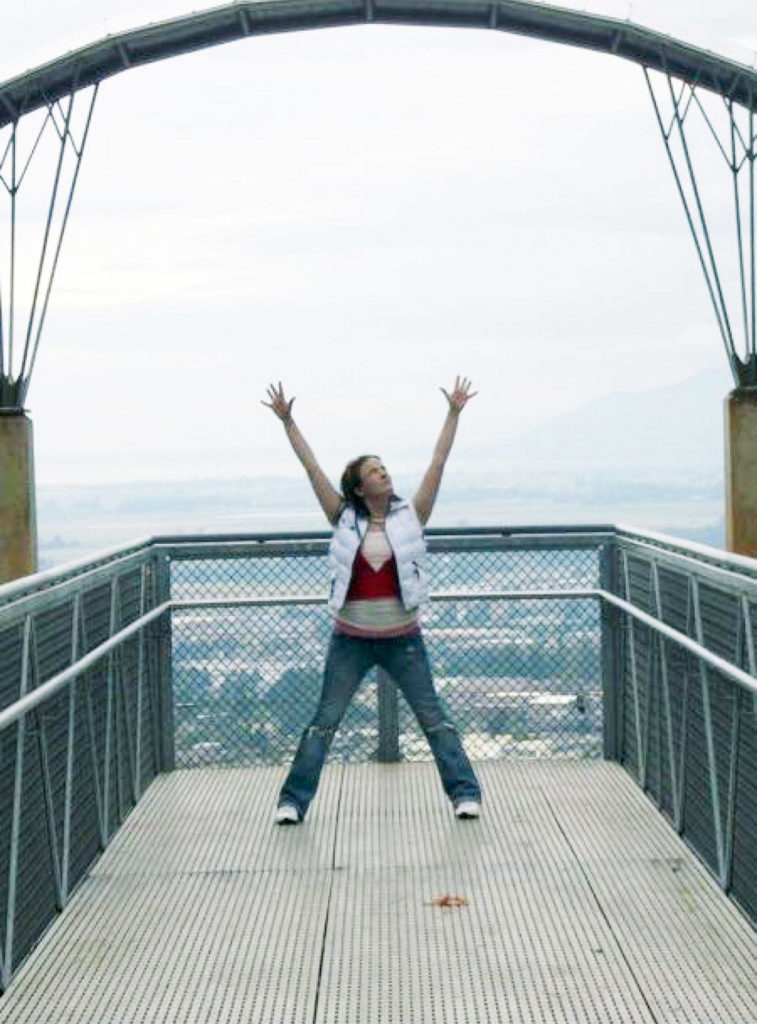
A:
741,471
18,513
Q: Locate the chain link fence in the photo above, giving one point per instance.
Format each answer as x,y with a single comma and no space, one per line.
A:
519,671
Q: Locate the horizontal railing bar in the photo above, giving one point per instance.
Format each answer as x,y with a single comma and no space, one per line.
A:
59,681
437,541
248,602
42,581
726,668
171,540
55,592
726,579
514,595
442,595
242,549
521,541
181,547
550,529
701,553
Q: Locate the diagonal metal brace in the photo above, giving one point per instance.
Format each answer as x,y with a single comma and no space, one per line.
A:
739,152
16,370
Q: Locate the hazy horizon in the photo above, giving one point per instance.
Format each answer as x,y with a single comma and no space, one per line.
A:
670,429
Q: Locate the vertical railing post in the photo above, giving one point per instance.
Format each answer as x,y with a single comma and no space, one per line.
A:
15,830
709,738
612,702
144,577
164,667
388,717
68,798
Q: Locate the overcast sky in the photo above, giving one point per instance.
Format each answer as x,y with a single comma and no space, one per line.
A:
361,212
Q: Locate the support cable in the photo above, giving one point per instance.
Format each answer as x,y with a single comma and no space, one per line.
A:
731,161
3,342
677,104
45,240
739,233
9,385
2,347
79,153
692,96
33,150
54,112
746,148
703,222
12,255
4,157
742,151
727,342
752,344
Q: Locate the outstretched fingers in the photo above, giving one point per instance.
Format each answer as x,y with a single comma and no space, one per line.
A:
460,394
463,385
278,401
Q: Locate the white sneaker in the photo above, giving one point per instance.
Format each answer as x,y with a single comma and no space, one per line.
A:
468,809
287,814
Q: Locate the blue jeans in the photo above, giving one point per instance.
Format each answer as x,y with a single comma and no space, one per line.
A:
406,661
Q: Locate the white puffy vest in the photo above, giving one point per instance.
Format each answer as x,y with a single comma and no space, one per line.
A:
405,536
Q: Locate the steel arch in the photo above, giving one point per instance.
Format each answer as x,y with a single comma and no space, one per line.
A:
54,86
120,52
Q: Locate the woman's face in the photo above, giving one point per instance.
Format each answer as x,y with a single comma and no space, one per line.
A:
375,482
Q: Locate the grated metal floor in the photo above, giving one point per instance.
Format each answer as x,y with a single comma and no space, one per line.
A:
582,906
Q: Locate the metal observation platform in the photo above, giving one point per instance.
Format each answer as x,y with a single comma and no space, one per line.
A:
604,681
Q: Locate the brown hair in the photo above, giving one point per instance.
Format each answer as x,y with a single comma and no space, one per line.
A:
350,482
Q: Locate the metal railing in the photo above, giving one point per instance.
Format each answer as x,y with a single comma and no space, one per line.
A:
687,696
513,632
84,677
545,642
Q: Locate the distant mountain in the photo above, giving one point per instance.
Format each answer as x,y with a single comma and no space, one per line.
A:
668,428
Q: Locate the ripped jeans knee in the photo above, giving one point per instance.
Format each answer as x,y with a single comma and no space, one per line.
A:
440,728
325,733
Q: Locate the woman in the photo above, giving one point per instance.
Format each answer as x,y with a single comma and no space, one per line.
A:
378,584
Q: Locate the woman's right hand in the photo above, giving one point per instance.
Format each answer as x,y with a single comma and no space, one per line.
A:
329,499
279,403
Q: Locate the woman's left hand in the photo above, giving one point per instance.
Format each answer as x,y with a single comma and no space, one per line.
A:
460,394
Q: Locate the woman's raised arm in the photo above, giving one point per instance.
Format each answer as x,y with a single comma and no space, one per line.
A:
329,499
429,488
